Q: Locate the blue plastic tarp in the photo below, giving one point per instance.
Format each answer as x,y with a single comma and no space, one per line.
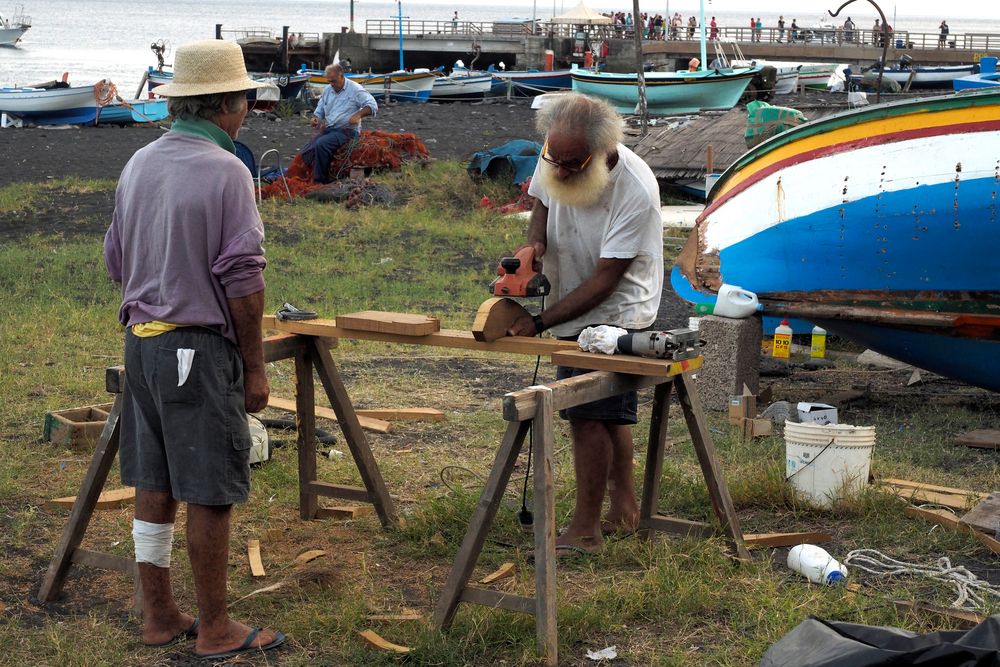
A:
517,158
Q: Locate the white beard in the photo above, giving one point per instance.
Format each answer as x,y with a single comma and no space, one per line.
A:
581,190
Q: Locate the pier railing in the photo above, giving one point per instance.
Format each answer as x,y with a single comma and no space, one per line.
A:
802,35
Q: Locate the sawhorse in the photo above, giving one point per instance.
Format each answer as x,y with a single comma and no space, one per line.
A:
533,408
310,353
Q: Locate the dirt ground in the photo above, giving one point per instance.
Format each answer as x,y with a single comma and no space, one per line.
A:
449,131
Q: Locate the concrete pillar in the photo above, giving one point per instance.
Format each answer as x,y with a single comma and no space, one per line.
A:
732,359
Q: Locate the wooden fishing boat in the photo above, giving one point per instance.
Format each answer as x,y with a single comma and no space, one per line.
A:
921,77
259,99
879,224
987,77
668,92
461,85
399,86
133,111
64,105
528,83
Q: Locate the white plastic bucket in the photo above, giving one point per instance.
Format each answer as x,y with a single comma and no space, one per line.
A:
825,462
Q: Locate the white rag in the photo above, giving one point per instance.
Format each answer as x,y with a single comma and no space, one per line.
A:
601,339
185,357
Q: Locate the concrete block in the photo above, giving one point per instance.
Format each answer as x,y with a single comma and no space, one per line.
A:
732,359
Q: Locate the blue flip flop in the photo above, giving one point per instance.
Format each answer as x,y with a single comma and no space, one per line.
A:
179,637
246,647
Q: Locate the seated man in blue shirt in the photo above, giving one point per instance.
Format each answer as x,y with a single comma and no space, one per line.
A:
343,104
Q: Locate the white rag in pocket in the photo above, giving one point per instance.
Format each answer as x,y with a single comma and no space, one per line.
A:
185,357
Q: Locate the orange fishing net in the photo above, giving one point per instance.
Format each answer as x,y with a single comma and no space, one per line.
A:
374,148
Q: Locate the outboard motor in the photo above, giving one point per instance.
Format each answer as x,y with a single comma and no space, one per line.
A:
905,61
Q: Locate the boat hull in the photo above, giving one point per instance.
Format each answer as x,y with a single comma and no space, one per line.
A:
529,83
397,86
668,92
927,77
136,111
886,216
461,87
60,106
11,36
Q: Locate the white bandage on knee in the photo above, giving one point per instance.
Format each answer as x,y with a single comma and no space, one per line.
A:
153,542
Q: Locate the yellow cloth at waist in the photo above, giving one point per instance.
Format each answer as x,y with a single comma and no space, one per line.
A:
154,328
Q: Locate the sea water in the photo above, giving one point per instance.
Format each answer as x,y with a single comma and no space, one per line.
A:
97,39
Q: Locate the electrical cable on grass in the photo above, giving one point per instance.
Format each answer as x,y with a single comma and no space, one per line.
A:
972,592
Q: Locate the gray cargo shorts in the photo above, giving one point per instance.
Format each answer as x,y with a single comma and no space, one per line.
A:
622,409
191,440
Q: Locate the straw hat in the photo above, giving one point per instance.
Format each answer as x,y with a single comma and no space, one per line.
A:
208,66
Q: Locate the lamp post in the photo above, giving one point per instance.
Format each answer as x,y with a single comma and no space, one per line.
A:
885,44
399,17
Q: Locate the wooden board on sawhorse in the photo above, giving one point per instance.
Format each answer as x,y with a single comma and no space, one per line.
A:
533,408
69,552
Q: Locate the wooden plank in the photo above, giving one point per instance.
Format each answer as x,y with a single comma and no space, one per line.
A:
407,615
948,520
718,491
103,561
479,524
305,432
520,405
372,638
452,338
958,501
281,346
402,415
985,516
761,540
980,439
669,524
108,500
654,456
499,600
625,363
404,324
336,393
79,517
344,512
546,601
309,556
505,571
75,427
369,423
494,318
253,555
905,483
355,493
966,619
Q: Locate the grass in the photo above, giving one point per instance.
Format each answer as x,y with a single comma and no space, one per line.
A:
662,602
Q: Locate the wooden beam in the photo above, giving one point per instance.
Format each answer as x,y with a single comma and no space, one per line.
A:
253,555
505,571
985,516
305,431
372,638
377,425
281,346
520,405
654,456
403,414
981,439
494,318
498,600
625,363
761,540
108,500
404,324
546,600
958,499
452,338
355,493
344,512
966,619
669,524
948,520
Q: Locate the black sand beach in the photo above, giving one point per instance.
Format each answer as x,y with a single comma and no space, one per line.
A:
449,131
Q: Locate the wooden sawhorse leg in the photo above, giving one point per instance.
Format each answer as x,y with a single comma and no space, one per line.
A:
68,552
312,354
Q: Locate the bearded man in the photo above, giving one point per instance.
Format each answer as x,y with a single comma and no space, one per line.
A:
597,229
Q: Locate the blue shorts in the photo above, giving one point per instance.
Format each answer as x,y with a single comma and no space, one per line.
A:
190,440
621,409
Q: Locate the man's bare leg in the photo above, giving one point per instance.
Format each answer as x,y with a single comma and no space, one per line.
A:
208,548
592,448
161,619
623,514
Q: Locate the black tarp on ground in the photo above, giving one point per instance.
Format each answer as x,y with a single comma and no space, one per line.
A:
819,643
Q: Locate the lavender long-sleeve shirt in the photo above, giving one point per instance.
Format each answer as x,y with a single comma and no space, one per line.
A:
185,235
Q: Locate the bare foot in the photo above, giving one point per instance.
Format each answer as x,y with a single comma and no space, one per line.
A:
233,638
161,631
591,544
617,522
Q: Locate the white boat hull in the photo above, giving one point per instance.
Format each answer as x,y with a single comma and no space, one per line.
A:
11,36
461,87
74,105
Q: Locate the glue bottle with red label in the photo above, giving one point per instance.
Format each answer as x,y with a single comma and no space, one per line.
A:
782,345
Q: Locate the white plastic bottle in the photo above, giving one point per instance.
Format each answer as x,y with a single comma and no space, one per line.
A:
816,564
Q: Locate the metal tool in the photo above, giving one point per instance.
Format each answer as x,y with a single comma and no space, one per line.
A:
517,276
675,344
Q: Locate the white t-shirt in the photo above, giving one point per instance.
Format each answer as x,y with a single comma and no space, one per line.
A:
625,223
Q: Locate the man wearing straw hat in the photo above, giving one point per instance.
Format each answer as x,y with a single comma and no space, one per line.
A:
185,244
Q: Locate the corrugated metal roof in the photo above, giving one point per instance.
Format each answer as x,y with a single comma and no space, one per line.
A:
680,152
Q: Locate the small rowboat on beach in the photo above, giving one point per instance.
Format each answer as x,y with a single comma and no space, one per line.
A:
258,99
528,83
63,105
400,86
461,85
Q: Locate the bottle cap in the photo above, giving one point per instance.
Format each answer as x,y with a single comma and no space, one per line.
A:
784,322
835,577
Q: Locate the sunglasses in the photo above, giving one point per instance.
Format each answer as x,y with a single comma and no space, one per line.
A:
568,166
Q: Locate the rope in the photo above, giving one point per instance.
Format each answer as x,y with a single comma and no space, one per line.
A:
971,592
105,92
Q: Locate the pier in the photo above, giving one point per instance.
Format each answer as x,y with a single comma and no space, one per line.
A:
479,44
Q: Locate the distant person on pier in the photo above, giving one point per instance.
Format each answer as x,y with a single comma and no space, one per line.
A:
760,28
713,33
454,22
794,31
849,30
340,110
877,33
943,37
692,24
781,28
753,29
